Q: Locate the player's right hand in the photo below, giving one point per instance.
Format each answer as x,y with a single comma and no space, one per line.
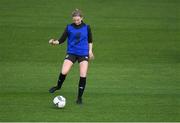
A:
51,41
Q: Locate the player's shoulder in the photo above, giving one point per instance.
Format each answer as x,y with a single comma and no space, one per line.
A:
86,24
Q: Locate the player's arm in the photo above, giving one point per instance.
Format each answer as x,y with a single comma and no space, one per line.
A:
60,40
91,55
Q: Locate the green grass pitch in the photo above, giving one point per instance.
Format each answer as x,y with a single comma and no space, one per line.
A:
135,75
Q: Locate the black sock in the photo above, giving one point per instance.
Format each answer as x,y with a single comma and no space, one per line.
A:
60,80
82,84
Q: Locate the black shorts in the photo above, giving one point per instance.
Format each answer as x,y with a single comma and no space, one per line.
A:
75,58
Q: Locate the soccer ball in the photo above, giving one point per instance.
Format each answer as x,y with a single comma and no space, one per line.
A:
59,101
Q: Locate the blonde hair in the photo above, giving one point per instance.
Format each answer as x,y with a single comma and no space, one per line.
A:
77,12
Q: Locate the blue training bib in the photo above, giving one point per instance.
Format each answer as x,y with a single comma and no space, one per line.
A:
78,40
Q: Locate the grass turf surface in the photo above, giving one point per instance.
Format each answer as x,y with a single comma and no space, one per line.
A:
135,76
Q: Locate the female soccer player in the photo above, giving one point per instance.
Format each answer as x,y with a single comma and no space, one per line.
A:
79,48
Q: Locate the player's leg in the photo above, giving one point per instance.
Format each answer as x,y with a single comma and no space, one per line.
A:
65,70
83,67
68,62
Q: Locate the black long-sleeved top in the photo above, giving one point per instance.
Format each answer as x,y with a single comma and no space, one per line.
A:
65,33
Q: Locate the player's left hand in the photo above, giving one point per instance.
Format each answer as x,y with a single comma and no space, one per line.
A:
91,55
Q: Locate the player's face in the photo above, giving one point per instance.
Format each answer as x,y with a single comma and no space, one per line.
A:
77,20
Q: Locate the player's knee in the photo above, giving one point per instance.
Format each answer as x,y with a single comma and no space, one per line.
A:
64,72
83,74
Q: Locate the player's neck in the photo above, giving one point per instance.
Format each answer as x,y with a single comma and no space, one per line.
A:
79,25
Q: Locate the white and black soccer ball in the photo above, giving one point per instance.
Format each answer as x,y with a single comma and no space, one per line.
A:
59,101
